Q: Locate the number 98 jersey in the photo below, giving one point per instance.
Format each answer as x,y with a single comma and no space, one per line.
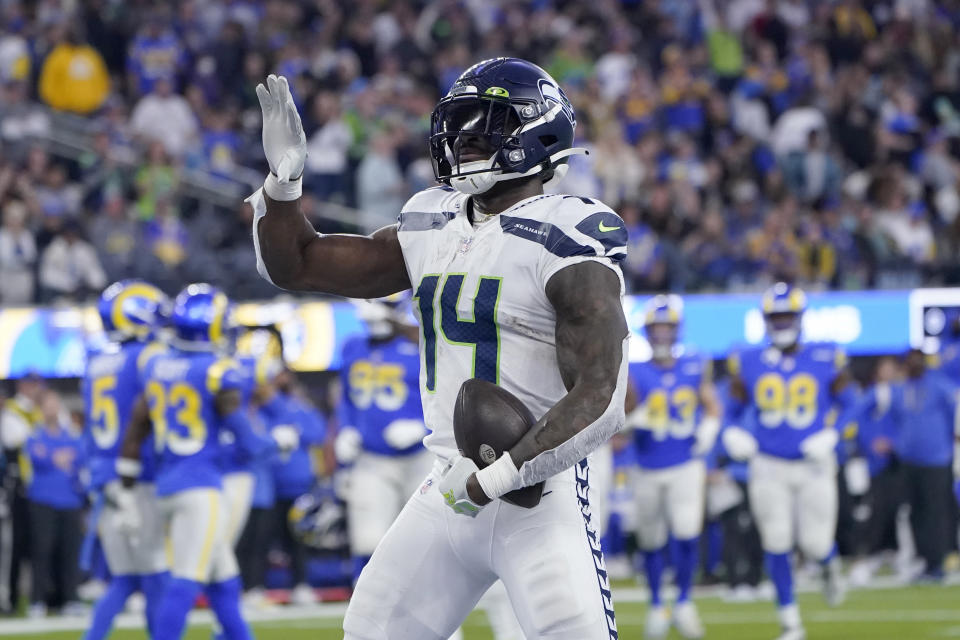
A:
788,395
479,292
670,398
180,388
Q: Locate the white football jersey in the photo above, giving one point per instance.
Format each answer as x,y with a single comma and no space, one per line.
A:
480,295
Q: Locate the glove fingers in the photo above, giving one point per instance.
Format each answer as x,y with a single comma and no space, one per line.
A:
293,118
264,97
274,85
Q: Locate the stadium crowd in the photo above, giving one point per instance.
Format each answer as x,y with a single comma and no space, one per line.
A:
742,140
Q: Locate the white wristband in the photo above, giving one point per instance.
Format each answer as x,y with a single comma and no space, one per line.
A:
500,477
292,190
128,468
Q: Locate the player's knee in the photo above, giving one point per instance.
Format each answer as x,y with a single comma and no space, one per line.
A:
776,540
687,526
651,539
815,545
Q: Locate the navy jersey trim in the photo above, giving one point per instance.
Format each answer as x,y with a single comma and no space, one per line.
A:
550,236
603,580
425,220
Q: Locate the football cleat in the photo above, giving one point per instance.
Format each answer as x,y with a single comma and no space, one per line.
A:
834,584
657,625
686,620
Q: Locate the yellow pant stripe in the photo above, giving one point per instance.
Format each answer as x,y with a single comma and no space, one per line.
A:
203,569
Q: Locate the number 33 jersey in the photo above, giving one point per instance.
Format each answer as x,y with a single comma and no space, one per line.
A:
788,395
479,292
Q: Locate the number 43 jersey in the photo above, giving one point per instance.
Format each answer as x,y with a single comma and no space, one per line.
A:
670,397
479,292
788,395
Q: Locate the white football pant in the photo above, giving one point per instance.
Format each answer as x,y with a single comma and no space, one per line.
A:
794,498
197,522
601,484
379,487
669,500
433,566
238,495
141,554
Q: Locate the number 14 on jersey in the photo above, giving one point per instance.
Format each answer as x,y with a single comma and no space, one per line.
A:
481,333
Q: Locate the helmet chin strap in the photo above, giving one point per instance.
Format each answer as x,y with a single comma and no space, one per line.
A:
478,183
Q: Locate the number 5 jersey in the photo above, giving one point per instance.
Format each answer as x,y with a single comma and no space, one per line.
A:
479,292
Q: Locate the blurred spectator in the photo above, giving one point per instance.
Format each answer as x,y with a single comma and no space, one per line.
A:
156,180
327,148
381,190
165,117
19,417
20,122
69,267
53,457
165,235
221,144
74,76
115,235
156,55
14,57
18,256
812,174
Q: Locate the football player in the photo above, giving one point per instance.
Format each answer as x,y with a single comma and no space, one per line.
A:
676,423
191,394
513,286
783,393
131,312
381,436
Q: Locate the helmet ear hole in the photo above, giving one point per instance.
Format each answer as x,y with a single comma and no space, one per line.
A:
548,140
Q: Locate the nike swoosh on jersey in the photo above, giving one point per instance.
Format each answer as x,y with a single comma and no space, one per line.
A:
604,228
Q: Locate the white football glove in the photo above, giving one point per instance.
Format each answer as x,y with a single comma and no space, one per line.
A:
453,486
821,445
286,437
739,443
347,445
128,513
706,435
284,143
403,434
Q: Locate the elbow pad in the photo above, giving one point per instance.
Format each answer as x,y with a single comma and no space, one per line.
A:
259,205
549,463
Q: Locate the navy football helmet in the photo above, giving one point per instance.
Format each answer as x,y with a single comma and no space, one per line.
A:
503,118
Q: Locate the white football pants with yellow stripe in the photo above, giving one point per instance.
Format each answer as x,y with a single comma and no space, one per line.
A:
238,495
197,527
142,554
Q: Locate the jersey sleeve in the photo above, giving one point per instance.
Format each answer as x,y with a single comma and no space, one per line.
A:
580,230
425,213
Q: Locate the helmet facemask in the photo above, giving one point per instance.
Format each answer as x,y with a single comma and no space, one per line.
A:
783,328
662,337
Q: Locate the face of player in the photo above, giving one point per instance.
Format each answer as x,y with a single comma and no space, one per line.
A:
783,329
662,336
916,363
475,129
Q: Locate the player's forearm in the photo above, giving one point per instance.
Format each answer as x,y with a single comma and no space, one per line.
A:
578,424
128,462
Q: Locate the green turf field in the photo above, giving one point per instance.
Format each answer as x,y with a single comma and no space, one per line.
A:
915,613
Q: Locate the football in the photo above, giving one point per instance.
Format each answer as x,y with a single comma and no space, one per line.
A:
488,420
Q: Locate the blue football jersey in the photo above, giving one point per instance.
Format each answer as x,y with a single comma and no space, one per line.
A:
670,397
181,388
381,384
788,396
110,387
233,457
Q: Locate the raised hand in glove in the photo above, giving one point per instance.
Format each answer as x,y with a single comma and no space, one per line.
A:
284,144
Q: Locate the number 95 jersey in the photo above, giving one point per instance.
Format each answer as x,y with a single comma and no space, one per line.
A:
480,293
788,395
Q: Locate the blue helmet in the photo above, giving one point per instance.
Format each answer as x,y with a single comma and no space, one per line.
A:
661,323
783,306
202,317
133,309
503,118
318,520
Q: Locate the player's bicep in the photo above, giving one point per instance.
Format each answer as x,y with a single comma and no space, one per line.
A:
590,325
